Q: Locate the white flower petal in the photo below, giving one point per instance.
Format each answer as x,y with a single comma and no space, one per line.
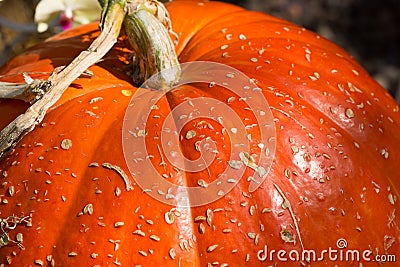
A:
42,27
80,11
89,5
86,16
48,9
86,11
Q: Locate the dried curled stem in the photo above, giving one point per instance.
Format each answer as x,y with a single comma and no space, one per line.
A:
59,81
27,92
147,24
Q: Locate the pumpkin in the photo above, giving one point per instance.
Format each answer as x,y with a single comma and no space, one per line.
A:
68,197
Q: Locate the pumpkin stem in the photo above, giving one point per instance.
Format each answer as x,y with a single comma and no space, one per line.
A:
147,25
111,12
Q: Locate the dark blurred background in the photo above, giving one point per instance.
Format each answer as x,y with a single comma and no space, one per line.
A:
368,29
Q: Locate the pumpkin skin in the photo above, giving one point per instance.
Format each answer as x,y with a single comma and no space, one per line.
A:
337,136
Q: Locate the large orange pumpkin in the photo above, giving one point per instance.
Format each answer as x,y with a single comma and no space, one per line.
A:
333,186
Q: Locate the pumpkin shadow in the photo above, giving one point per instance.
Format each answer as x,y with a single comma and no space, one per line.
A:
116,61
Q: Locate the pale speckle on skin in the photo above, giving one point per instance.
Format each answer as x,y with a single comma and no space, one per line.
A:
142,253
211,248
95,99
235,164
117,191
202,228
223,47
66,144
308,55
88,209
139,232
376,187
385,153
251,235
190,134
172,253
202,183
155,238
231,99
349,113
118,224
11,190
392,198
38,262
169,217
209,216
72,254
266,210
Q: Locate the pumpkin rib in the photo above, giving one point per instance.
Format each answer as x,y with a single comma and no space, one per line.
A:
86,182
65,108
328,105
